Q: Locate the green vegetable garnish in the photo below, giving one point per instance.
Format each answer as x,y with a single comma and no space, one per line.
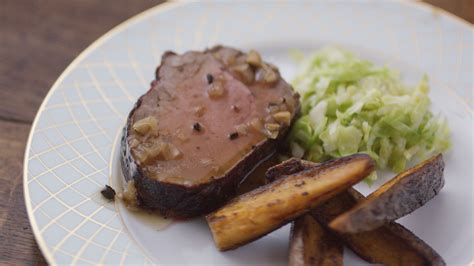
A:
349,105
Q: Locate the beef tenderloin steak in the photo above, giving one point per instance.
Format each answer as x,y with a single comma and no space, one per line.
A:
208,119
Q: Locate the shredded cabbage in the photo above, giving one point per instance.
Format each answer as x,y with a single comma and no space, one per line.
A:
349,106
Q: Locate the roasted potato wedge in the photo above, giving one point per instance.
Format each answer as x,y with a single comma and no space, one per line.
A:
390,244
311,244
260,211
398,197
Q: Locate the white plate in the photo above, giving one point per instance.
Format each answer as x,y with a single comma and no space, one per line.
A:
70,156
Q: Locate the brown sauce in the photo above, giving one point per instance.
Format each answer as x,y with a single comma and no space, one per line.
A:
152,219
208,144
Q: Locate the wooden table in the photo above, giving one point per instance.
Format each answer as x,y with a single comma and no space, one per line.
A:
35,47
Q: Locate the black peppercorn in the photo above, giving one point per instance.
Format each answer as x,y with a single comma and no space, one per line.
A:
233,135
197,127
235,108
209,78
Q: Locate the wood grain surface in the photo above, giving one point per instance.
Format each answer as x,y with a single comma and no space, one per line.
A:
38,39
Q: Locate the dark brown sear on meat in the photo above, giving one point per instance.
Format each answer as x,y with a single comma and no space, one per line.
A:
199,122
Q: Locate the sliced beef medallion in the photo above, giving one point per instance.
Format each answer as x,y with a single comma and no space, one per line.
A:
208,119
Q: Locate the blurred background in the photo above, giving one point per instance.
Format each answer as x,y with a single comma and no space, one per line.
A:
38,39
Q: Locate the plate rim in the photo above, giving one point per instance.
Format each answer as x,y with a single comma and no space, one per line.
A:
423,6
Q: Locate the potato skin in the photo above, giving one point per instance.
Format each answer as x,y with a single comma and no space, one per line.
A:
398,197
311,244
260,211
391,244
